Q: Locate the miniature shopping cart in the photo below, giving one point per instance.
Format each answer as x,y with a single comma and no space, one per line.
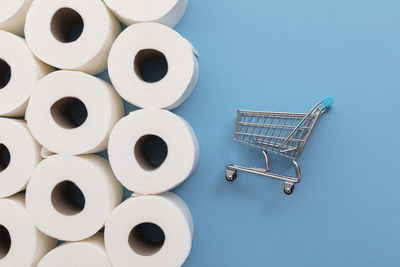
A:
281,133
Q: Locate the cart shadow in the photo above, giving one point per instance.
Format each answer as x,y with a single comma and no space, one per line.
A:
265,193
266,197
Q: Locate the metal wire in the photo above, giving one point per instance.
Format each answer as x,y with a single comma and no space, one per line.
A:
281,133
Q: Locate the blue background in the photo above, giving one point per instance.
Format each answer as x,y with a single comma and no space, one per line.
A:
285,56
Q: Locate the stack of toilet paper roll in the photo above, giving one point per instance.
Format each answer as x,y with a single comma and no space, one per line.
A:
53,188
151,129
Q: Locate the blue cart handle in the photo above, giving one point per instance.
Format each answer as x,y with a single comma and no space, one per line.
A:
327,101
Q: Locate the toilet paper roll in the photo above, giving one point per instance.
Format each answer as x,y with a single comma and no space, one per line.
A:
72,113
19,156
152,151
19,74
149,231
152,66
70,197
86,253
21,244
12,15
167,12
71,34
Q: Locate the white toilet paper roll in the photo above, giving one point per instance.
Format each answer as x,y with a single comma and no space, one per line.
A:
71,34
152,151
86,253
19,74
21,244
152,66
19,156
149,231
72,113
12,15
70,197
167,12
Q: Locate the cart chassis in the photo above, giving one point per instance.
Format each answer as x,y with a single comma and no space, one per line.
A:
231,173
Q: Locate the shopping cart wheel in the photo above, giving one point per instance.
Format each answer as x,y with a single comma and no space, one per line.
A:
230,175
288,188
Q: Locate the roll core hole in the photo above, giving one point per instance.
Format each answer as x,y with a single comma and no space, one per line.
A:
5,241
5,157
150,65
69,112
150,152
67,198
5,73
146,239
66,25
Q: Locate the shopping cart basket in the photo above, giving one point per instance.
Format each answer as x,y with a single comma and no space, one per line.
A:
281,133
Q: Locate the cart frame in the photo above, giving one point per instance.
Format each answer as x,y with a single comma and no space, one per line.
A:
281,133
